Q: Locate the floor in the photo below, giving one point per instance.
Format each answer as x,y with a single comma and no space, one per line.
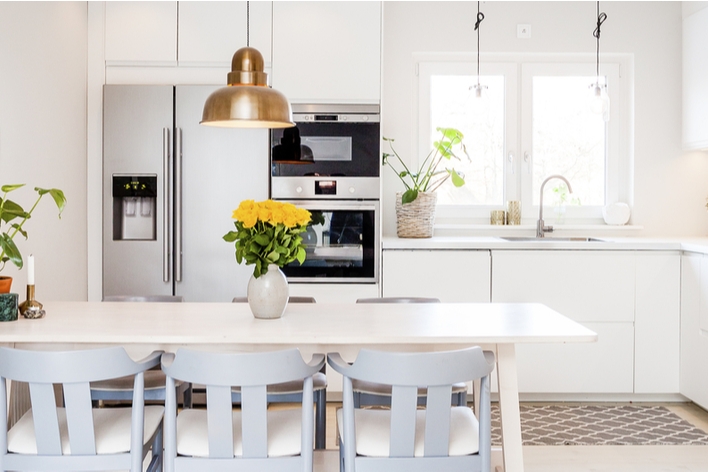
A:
582,458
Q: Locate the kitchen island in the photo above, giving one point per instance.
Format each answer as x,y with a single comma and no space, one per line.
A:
143,327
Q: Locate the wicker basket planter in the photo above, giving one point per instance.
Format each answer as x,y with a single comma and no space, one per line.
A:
416,219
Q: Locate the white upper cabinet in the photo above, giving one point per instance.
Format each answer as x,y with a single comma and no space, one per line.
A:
188,32
327,51
141,31
695,86
214,31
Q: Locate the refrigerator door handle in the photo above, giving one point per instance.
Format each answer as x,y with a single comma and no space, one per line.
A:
166,196
178,205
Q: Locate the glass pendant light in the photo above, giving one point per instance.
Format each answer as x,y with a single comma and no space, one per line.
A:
247,101
599,101
478,88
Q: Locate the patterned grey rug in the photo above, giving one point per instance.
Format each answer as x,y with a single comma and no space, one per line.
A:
595,425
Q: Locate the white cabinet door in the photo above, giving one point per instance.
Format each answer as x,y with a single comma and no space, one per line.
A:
695,88
657,322
692,384
595,288
327,51
141,31
214,31
450,275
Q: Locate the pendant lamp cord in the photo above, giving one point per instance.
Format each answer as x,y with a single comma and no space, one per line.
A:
601,17
480,18
248,24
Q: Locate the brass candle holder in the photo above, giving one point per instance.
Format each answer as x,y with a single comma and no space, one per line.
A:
31,308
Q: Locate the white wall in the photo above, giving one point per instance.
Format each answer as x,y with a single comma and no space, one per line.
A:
43,137
669,185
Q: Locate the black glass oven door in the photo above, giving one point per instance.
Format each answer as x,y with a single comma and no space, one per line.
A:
340,246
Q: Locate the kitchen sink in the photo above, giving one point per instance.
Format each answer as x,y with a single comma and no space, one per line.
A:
552,240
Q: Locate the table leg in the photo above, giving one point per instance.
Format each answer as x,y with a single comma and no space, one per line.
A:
509,408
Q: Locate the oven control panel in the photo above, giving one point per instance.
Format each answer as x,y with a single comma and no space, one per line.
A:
320,187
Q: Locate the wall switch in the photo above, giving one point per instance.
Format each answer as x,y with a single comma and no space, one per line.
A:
523,31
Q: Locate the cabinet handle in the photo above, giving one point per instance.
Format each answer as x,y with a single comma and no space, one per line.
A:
166,197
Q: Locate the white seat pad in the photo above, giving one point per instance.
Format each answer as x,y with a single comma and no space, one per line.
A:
319,382
373,432
284,432
154,379
372,388
111,429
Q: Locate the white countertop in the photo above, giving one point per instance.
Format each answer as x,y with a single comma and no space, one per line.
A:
699,245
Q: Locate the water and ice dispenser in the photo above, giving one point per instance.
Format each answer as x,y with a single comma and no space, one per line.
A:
134,207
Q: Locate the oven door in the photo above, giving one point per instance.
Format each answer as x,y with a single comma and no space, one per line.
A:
342,243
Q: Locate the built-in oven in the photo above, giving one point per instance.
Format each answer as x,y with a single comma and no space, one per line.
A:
342,242
329,163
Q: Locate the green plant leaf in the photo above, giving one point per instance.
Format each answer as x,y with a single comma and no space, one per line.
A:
262,239
452,134
12,210
231,236
20,230
273,256
301,254
457,179
409,195
10,188
10,249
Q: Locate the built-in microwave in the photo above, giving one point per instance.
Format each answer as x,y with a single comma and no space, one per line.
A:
342,243
328,140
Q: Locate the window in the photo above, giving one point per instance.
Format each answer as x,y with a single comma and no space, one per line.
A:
534,122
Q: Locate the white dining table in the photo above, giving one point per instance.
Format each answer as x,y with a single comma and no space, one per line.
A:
320,327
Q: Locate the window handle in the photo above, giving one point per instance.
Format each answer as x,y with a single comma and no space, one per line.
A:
527,162
510,160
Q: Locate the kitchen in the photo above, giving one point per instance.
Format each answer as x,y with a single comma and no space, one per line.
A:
63,44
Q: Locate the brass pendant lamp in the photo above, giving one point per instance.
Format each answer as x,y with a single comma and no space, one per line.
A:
247,101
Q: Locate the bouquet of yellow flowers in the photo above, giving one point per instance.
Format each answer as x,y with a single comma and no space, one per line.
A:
268,232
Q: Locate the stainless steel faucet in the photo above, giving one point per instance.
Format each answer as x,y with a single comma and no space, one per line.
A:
540,228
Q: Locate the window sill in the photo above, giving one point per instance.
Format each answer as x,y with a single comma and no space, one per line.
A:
467,229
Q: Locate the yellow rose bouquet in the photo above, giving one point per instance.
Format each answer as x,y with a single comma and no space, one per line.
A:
268,232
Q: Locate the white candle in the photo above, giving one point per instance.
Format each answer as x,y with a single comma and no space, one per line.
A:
30,270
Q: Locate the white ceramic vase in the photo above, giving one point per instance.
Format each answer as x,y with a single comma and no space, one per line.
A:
268,294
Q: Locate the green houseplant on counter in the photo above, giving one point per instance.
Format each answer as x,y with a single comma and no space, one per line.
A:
415,207
12,221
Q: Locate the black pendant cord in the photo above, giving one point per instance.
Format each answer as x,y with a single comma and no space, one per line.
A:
601,17
248,24
480,18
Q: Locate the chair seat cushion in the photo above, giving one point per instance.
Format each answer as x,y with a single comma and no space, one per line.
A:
154,379
373,432
319,382
284,433
371,388
111,430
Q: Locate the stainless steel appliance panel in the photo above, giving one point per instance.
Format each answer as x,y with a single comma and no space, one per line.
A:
137,140
219,167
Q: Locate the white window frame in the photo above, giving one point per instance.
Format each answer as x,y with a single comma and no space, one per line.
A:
516,68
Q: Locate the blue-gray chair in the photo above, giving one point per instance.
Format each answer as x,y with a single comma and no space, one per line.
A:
122,389
77,437
372,394
247,439
406,438
292,392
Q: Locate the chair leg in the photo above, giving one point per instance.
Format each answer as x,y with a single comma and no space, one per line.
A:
357,399
320,419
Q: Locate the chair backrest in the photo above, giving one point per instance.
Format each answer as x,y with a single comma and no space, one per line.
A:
145,298
253,372
74,370
290,300
406,373
399,300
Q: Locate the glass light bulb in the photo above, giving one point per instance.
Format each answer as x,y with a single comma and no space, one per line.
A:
599,101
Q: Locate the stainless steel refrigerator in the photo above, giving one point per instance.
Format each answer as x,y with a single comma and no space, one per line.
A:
170,186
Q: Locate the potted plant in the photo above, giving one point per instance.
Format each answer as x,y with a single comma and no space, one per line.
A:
415,207
12,220
268,236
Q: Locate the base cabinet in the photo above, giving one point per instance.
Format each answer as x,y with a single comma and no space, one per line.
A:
450,275
630,298
694,336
